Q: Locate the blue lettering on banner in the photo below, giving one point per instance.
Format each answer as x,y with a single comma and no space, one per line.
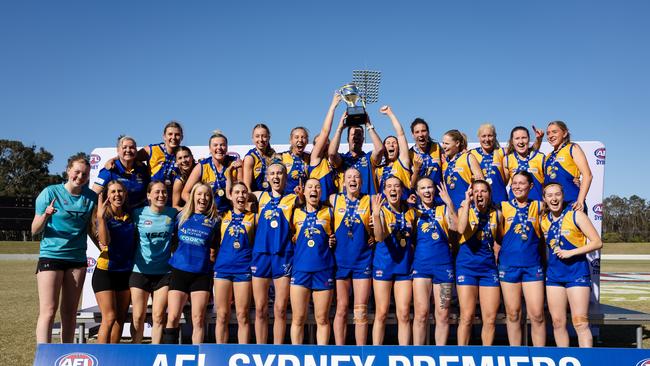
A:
598,212
271,355
600,156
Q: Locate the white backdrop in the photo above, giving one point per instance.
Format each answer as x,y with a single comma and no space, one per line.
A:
594,150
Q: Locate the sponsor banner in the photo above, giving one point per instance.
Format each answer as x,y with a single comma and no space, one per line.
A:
271,355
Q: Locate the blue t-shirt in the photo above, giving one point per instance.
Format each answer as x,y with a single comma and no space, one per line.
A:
135,181
64,236
196,236
155,236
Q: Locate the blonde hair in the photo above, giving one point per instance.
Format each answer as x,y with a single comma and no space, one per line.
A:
494,132
188,210
564,128
459,137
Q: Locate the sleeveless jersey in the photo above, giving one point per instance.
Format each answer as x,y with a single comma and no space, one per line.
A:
477,242
237,238
565,234
217,180
397,169
326,176
458,176
260,163
560,167
492,167
395,252
161,164
297,167
352,230
155,232
273,224
534,164
135,180
118,254
431,162
432,239
363,163
312,232
196,236
520,244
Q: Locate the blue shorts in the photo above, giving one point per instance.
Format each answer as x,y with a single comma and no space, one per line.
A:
387,275
355,274
316,281
443,273
265,265
512,274
580,281
233,277
469,277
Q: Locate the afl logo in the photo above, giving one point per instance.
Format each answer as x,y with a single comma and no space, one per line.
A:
600,153
645,362
91,262
598,209
147,222
77,359
95,159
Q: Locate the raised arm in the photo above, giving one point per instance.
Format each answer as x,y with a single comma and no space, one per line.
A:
378,149
399,133
539,137
463,212
249,165
321,141
452,215
333,152
378,218
475,167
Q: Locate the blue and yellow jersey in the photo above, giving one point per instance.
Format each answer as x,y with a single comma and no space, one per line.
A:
520,244
565,234
237,239
458,176
217,180
363,163
297,167
161,164
397,169
395,252
477,242
118,254
196,236
327,178
155,232
432,239
312,231
559,167
492,167
135,180
260,163
534,164
352,230
431,162
273,233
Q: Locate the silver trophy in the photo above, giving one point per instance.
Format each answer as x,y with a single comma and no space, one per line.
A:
363,89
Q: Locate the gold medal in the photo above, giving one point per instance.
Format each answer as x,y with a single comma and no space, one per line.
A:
402,242
524,236
311,243
553,175
221,192
265,185
435,235
274,224
489,180
236,245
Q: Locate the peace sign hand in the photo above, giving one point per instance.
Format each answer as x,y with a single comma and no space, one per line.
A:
101,205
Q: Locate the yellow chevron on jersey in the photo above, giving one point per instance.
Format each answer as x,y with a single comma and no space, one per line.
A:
390,220
248,226
398,170
363,210
535,165
472,226
571,233
510,212
323,218
497,160
286,205
287,161
461,169
157,159
440,217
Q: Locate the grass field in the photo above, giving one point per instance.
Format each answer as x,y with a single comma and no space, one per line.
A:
18,305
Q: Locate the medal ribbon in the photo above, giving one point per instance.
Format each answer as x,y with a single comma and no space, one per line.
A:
220,178
484,226
486,162
521,217
555,230
551,159
427,161
237,225
350,212
451,165
522,164
273,206
310,224
298,165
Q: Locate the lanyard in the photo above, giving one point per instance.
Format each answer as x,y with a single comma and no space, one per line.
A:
237,225
449,172
220,178
484,226
298,165
427,160
523,164
385,173
486,162
521,217
350,212
309,225
555,230
169,163
550,161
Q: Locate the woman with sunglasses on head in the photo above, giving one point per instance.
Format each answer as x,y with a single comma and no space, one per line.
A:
433,265
570,235
191,266
63,214
396,161
184,165
117,242
567,165
150,277
232,270
353,256
523,157
393,228
459,167
272,254
520,261
258,159
490,157
479,225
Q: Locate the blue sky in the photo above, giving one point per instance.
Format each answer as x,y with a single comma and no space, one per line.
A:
76,74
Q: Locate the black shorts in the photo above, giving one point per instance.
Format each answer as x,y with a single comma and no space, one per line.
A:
51,264
104,280
189,282
148,282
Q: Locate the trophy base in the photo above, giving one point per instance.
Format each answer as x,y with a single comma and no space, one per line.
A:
357,116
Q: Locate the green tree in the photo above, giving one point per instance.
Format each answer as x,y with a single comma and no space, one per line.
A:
24,169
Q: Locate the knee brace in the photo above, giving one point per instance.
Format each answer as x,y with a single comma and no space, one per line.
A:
579,321
361,314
